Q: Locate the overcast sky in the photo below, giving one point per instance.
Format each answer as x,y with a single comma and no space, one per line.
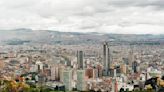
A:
111,16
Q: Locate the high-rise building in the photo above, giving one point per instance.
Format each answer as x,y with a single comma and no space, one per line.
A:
95,73
61,69
131,57
112,72
55,72
135,66
40,66
67,79
100,70
81,83
124,68
106,59
114,85
80,61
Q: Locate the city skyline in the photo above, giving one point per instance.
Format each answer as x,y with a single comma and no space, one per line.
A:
82,46
102,16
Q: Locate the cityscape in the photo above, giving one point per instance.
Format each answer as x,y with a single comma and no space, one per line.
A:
82,46
102,66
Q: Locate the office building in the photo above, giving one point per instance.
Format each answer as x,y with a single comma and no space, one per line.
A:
81,83
135,66
55,73
106,59
130,57
67,79
80,61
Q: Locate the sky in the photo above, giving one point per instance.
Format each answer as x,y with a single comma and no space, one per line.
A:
103,16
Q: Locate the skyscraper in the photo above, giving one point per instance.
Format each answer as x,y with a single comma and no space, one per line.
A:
80,61
134,66
130,57
81,83
67,79
106,59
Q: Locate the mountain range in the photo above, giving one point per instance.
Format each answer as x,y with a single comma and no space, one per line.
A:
23,35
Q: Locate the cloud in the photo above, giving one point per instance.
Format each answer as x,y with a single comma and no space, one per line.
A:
112,16
139,3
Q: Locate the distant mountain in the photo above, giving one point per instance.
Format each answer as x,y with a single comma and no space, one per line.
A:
21,36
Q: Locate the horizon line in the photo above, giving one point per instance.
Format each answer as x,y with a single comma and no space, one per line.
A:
16,29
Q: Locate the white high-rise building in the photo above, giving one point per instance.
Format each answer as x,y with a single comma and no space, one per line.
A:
81,83
67,79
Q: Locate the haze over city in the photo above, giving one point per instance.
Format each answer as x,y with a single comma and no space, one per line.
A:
103,16
82,46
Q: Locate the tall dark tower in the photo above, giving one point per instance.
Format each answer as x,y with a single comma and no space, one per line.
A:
134,66
106,59
80,61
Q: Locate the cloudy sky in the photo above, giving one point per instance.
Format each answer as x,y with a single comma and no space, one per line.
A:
110,16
